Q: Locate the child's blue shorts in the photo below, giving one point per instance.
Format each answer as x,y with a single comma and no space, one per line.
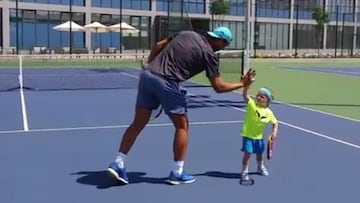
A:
253,146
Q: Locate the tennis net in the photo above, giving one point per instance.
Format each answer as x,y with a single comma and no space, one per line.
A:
86,72
65,72
231,62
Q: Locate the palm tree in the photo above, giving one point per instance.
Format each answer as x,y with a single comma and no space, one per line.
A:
220,8
321,16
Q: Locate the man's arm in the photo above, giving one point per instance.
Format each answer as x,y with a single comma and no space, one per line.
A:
221,86
156,49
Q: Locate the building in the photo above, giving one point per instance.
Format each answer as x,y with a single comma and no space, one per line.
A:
276,24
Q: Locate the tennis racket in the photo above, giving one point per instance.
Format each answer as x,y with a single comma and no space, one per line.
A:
155,113
270,145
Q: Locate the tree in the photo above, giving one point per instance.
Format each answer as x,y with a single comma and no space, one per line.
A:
321,16
219,8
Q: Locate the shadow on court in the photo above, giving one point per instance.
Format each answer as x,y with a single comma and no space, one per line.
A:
102,179
226,175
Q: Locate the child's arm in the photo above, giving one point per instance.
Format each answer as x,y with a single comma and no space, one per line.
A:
245,93
275,126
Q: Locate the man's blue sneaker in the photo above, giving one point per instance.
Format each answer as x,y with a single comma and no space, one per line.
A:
118,173
181,179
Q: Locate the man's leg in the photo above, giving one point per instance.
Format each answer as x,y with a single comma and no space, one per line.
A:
178,175
175,105
181,136
141,118
117,168
145,101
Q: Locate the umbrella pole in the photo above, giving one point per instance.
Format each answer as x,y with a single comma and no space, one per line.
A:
98,35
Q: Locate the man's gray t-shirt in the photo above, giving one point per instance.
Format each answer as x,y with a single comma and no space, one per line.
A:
186,55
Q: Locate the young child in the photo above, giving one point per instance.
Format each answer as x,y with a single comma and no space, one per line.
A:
258,114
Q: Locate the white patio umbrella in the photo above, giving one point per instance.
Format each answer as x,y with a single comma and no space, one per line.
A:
97,28
123,27
67,25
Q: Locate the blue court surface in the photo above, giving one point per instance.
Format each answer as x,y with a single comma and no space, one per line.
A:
73,136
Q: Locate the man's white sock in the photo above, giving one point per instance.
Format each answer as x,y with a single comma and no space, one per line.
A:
120,159
178,167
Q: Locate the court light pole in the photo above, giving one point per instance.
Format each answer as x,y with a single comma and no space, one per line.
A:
70,37
247,34
17,25
120,33
296,30
336,29
343,33
256,29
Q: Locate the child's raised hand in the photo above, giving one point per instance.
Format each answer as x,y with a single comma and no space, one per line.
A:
249,77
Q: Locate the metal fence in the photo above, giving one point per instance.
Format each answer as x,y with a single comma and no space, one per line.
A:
278,27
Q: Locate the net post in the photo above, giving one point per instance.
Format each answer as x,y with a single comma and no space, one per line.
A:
247,35
21,71
242,55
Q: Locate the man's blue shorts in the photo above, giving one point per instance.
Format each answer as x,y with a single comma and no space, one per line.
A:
253,146
154,90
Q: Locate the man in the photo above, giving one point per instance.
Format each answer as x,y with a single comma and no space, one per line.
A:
172,61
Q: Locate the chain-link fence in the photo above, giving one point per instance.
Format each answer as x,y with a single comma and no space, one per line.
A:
278,27
339,37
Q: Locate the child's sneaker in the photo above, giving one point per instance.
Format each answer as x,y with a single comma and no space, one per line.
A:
118,173
181,179
263,171
245,176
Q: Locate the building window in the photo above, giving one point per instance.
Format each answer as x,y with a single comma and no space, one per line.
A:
178,6
39,29
126,4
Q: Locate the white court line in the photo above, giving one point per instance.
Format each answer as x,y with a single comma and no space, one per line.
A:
321,135
294,126
115,126
22,96
313,110
130,75
23,110
281,122
319,111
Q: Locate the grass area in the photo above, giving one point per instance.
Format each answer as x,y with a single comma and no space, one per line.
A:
338,94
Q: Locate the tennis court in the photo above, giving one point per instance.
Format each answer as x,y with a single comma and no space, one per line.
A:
59,133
